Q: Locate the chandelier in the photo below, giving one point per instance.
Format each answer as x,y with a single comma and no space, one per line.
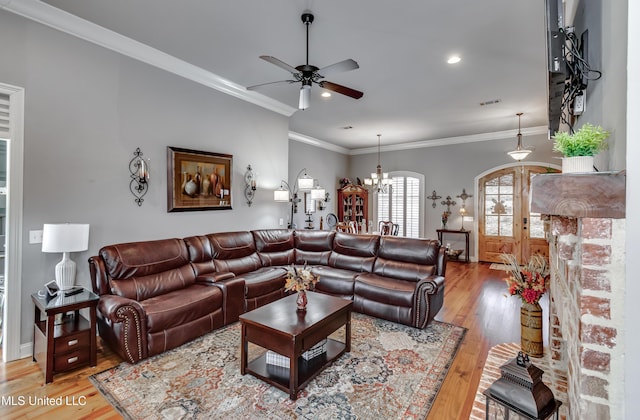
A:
519,153
379,180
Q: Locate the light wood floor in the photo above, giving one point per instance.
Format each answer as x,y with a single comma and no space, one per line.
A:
475,298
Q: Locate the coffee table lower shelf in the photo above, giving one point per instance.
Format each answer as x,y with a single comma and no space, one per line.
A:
278,376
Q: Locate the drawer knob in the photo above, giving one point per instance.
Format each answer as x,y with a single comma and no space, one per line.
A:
72,359
72,342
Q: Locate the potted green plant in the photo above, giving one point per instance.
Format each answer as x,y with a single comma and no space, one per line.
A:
580,147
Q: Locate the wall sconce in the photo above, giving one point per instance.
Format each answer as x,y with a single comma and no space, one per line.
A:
139,169
322,204
250,185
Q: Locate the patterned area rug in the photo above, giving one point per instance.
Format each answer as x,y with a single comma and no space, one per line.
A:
392,372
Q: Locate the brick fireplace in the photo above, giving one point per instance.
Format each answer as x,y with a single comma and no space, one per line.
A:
586,214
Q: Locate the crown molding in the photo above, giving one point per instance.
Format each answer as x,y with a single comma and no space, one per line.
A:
317,143
448,141
55,18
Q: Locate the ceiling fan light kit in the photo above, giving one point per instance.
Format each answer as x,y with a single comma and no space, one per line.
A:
307,74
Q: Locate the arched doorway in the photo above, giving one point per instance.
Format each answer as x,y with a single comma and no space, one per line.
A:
505,223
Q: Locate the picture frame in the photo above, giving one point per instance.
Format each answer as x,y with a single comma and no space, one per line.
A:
198,180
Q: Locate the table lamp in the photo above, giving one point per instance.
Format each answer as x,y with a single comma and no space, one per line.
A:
65,238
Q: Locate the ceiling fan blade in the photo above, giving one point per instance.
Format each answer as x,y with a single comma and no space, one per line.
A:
355,94
344,65
280,64
254,87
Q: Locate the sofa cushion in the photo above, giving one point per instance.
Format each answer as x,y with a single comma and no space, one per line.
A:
385,290
234,252
200,254
142,270
406,258
274,246
179,307
264,281
313,247
354,252
334,281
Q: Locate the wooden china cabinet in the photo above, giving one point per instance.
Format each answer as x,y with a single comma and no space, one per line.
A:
353,204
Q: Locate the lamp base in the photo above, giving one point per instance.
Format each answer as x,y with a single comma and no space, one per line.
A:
66,272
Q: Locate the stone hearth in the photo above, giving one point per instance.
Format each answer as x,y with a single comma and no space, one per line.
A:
586,234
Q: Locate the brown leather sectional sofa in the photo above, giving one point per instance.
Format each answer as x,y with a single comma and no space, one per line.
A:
157,295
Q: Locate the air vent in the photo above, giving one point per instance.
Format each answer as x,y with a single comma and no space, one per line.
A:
491,102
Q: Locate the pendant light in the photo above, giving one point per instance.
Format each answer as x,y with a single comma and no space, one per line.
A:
379,180
519,153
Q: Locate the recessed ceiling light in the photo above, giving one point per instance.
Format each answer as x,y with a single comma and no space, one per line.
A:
326,94
454,59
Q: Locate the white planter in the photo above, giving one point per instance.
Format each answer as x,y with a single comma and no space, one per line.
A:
577,164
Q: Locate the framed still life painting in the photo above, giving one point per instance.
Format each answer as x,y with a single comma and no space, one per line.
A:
198,180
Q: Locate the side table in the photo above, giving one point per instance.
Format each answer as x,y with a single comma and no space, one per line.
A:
70,342
459,232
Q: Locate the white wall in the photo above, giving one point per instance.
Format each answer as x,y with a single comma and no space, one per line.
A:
86,111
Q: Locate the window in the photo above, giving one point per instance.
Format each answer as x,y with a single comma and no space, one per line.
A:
401,204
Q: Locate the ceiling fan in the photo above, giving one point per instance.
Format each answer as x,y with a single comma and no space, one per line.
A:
308,74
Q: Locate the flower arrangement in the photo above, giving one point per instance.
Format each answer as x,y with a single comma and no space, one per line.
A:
530,281
445,218
300,279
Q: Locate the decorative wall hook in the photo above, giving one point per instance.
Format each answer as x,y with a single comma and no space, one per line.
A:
139,169
250,185
434,197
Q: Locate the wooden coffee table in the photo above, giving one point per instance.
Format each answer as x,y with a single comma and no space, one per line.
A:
279,327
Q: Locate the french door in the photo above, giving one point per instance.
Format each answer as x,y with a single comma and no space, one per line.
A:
505,223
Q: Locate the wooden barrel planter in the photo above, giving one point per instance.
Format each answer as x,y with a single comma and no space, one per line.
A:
531,329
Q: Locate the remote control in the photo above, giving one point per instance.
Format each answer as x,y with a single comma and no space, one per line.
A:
74,291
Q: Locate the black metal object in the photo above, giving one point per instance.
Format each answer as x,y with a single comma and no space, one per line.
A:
520,390
139,184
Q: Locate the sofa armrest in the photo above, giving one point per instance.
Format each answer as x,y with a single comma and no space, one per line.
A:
125,320
233,296
428,300
211,278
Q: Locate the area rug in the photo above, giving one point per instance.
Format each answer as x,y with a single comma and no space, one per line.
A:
499,355
392,372
497,266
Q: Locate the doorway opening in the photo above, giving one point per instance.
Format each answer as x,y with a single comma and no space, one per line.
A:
505,223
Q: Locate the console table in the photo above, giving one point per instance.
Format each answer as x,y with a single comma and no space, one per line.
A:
441,233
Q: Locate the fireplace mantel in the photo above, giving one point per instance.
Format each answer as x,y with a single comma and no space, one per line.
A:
596,195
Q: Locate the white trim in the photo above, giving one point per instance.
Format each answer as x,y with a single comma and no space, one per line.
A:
498,135
317,143
475,194
73,25
15,164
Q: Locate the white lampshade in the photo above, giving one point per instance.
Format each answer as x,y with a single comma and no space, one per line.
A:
65,238
317,193
305,182
281,195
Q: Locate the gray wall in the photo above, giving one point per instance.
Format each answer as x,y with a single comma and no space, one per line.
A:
449,169
86,111
323,165
606,22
